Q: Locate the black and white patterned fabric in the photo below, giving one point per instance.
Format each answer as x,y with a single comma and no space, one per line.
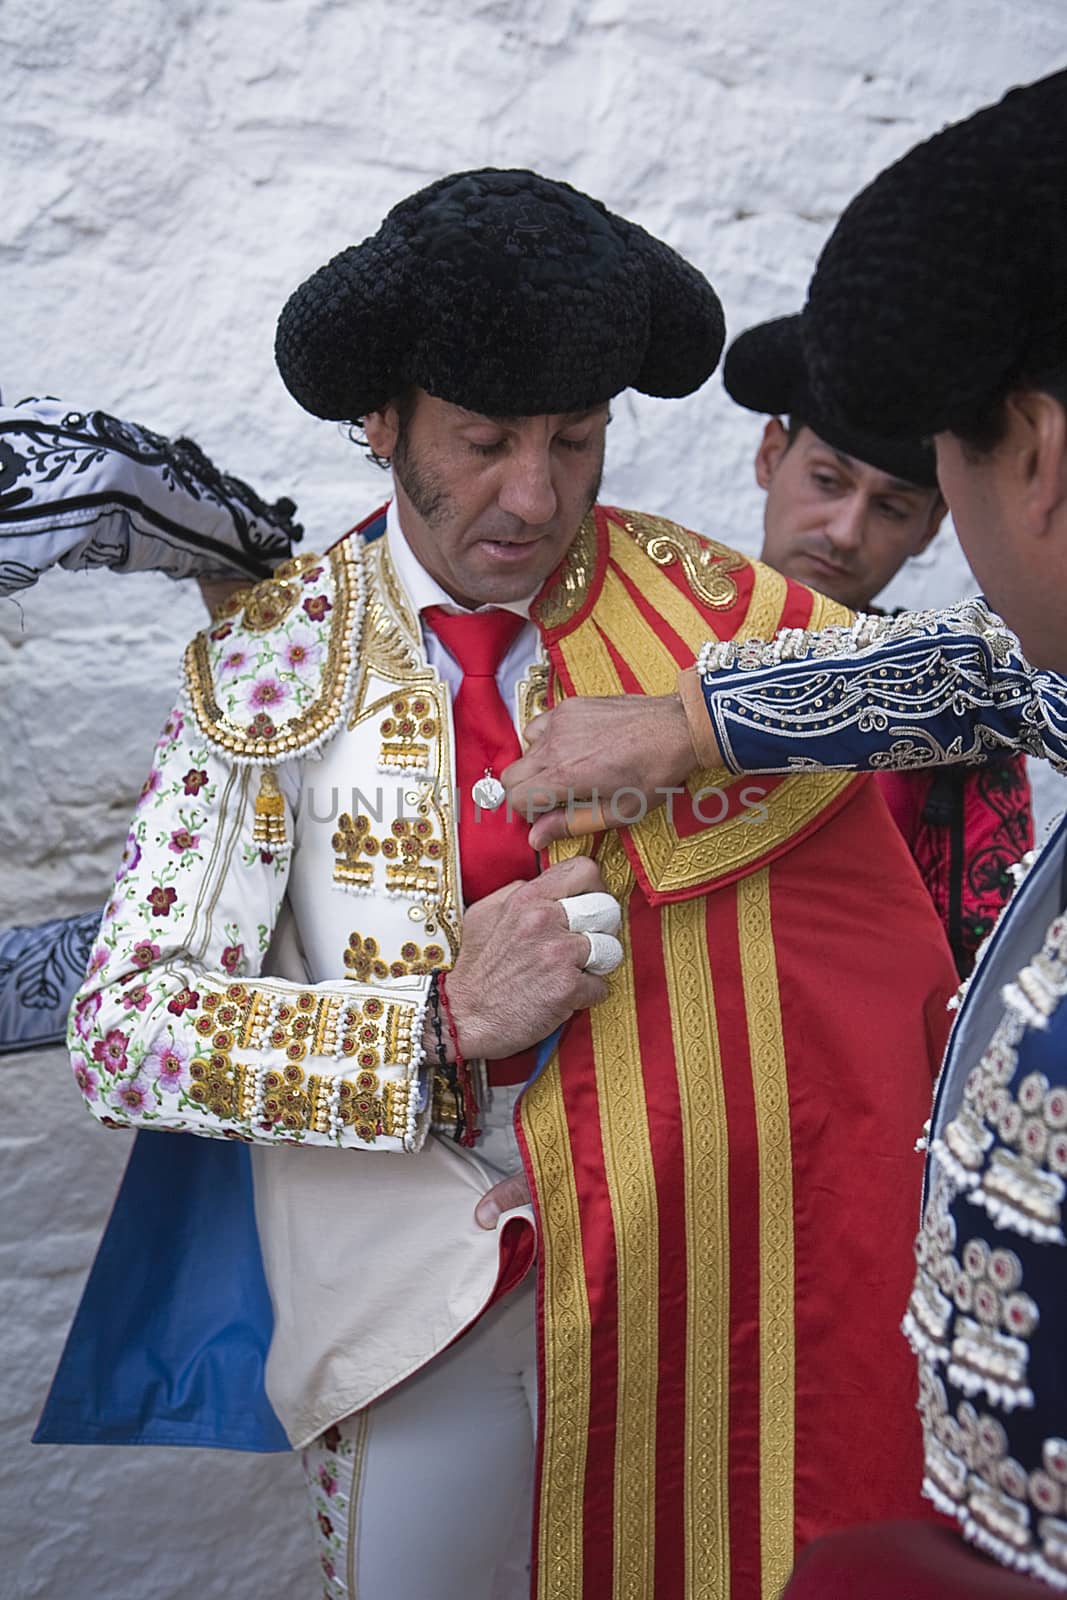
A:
84,489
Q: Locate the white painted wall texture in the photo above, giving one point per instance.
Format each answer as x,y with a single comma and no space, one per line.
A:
171,170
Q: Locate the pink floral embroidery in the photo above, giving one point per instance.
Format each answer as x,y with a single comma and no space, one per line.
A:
183,1000
194,780
84,1012
137,996
234,661
149,787
97,960
316,606
328,1481
232,957
130,858
161,901
182,840
267,693
133,1095
110,1051
311,575
144,953
219,634
87,1080
168,1063
302,653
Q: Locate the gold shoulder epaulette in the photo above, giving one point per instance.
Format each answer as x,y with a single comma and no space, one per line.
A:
275,675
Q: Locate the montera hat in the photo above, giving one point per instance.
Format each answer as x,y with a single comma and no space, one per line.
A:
502,292
765,371
944,283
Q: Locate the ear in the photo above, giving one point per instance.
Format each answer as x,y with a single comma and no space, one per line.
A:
381,429
773,446
1037,441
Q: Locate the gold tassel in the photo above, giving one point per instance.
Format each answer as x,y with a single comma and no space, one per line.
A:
268,830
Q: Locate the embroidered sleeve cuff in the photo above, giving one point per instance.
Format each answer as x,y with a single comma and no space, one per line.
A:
276,1063
705,744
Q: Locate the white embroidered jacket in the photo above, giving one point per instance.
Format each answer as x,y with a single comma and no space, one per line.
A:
176,1026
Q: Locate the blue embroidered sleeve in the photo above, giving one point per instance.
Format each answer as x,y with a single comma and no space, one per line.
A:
918,690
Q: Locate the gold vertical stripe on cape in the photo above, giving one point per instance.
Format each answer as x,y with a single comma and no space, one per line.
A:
565,1400
777,1310
634,1211
705,1151
766,602
589,664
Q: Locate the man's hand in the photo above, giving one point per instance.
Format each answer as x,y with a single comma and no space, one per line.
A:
504,1196
519,974
624,752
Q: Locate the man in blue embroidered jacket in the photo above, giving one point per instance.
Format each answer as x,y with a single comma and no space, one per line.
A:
938,307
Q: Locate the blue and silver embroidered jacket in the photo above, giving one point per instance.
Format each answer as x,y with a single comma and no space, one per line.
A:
987,1317
917,690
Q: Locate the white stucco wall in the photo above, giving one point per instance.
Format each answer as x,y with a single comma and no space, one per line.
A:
170,172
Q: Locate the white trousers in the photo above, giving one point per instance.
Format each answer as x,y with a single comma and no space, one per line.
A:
428,1493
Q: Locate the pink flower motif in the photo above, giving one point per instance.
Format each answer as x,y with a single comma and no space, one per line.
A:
87,1080
266,857
182,1001
231,958
131,856
302,652
98,960
266,693
137,996
311,575
194,780
84,1012
182,840
218,634
161,901
149,787
132,1095
328,1481
328,1567
234,661
316,606
110,1051
144,953
174,726
168,1063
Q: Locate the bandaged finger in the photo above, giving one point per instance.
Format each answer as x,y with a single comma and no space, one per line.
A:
605,954
595,912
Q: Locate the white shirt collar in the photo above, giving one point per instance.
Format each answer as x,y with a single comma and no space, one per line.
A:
423,590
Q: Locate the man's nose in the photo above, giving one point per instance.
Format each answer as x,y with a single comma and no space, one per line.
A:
846,527
527,491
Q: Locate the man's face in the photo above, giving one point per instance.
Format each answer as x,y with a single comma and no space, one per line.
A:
1015,544
490,505
835,523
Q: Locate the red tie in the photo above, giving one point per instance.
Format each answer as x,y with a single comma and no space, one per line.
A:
493,846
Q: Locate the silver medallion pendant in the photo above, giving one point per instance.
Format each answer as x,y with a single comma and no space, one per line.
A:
488,793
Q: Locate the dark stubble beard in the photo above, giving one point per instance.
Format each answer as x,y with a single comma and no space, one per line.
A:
429,497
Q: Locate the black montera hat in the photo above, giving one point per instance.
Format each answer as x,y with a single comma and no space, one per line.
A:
765,371
945,281
503,292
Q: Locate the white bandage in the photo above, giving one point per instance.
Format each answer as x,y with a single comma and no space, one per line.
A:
605,954
591,913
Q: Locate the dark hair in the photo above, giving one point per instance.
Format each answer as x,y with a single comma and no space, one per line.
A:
404,404
983,430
